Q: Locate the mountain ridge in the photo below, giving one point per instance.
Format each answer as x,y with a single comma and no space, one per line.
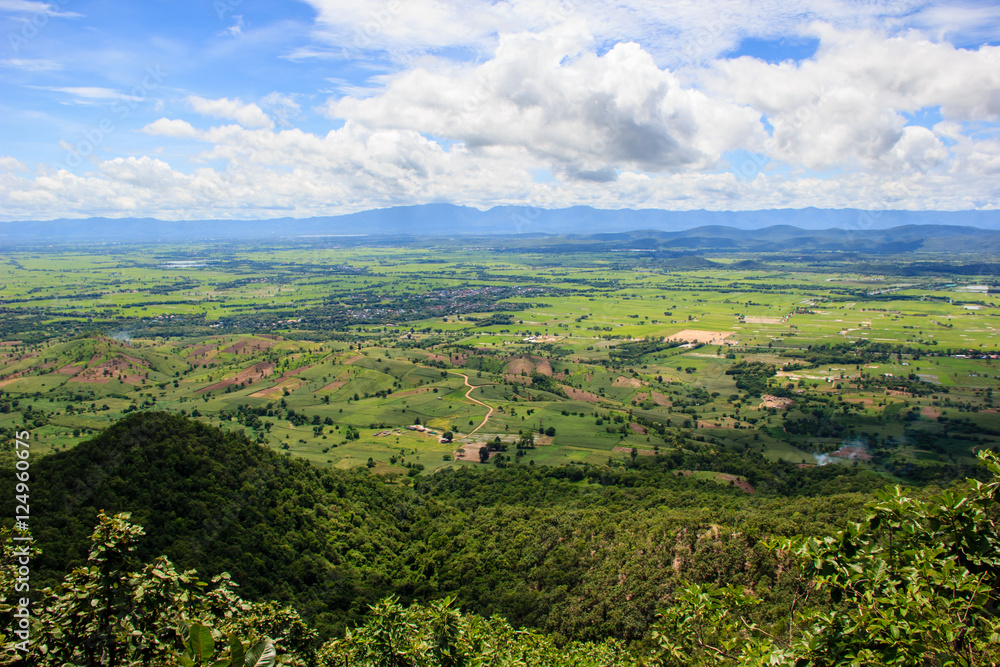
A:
453,220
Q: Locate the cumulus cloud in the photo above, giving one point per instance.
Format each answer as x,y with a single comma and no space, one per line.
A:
12,164
165,127
846,106
551,98
247,115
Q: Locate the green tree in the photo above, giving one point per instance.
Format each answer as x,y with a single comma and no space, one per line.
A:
113,611
916,583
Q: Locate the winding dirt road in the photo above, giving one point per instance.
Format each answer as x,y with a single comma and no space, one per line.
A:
468,396
474,400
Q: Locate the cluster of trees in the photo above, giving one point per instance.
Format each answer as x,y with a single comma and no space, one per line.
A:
633,351
914,581
752,376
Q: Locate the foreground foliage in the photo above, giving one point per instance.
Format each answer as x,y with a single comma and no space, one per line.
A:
917,582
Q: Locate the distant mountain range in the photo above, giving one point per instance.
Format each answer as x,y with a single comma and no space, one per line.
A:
682,228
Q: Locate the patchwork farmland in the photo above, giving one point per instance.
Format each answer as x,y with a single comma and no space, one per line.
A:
339,353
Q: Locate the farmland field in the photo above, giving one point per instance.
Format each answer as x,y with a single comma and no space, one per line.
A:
367,354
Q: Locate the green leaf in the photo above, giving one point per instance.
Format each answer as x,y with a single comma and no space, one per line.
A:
201,645
261,655
237,654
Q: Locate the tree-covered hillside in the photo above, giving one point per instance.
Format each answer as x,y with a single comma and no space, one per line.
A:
581,551
631,566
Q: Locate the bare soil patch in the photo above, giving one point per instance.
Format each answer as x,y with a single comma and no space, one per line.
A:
763,320
339,382
249,346
580,394
256,372
622,381
70,370
123,367
470,451
202,355
520,365
775,402
543,367
636,428
201,350
932,412
700,336
660,399
738,482
431,356
852,453
290,384
860,400
286,381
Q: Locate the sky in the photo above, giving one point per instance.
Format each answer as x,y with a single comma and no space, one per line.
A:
255,109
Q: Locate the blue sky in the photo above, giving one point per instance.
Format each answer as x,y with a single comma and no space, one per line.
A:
251,109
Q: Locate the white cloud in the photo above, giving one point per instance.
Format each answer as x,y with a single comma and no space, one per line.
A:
88,92
247,115
550,98
679,32
846,106
32,7
969,23
28,65
12,164
164,127
283,107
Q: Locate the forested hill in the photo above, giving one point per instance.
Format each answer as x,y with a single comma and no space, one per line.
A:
581,551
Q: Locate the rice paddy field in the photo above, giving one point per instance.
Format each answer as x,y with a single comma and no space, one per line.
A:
410,357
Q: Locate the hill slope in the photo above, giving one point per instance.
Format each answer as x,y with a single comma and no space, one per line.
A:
215,501
585,552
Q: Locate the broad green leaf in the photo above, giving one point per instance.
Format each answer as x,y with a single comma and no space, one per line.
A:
237,654
201,645
261,655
